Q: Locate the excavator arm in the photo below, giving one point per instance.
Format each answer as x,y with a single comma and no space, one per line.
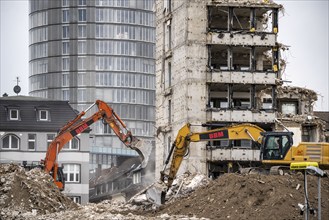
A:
185,136
180,148
77,126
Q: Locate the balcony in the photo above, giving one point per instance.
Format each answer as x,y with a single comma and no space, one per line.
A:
242,39
268,78
233,154
231,115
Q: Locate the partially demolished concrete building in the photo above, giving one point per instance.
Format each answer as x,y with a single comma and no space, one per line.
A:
295,112
218,63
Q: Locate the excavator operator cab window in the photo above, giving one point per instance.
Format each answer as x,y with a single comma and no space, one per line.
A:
276,147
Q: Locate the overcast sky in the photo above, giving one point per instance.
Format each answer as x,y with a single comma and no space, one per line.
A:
303,27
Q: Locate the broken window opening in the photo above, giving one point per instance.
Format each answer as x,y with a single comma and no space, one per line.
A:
218,18
309,133
218,103
169,111
289,107
267,103
263,59
242,19
234,58
241,58
167,74
230,97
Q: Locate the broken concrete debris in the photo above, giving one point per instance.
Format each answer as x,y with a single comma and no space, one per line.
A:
32,195
30,192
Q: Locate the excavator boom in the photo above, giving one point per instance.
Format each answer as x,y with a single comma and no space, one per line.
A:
77,126
180,147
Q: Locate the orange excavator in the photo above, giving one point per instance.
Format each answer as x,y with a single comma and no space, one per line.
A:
77,126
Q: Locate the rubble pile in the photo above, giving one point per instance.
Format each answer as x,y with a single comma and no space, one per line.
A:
112,210
251,196
24,193
182,186
32,195
185,184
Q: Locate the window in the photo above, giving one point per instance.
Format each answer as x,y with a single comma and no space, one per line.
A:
72,173
309,133
289,108
76,199
65,2
65,63
14,114
137,178
168,75
66,94
65,79
81,79
72,144
81,95
169,111
81,63
65,15
50,138
10,141
82,47
66,47
82,31
31,141
82,15
43,115
82,2
66,31
267,103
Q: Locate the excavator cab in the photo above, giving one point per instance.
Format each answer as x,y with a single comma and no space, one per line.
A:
275,145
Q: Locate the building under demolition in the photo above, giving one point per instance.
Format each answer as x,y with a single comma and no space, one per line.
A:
218,63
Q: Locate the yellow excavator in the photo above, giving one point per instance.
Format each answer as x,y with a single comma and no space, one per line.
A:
276,151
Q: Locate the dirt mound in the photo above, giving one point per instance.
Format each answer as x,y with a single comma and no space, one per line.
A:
253,196
29,193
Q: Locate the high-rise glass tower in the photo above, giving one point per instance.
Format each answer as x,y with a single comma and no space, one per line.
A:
84,50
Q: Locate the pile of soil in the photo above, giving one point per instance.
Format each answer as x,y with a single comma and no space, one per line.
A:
29,193
32,195
252,196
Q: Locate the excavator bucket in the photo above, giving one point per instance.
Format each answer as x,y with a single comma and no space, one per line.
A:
157,193
143,148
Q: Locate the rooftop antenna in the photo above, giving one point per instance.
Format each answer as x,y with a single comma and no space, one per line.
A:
17,88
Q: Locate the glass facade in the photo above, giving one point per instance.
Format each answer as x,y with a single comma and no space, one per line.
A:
82,51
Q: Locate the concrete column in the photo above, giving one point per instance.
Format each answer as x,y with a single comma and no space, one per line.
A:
252,96
275,20
252,59
230,19
229,58
274,104
230,96
275,59
252,20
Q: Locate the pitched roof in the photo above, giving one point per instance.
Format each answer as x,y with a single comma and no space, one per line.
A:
324,116
60,113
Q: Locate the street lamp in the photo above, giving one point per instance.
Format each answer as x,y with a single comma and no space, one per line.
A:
312,168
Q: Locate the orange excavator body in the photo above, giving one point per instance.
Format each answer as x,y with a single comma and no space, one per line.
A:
77,126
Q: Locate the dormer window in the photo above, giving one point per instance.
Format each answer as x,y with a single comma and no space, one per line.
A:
14,114
43,115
